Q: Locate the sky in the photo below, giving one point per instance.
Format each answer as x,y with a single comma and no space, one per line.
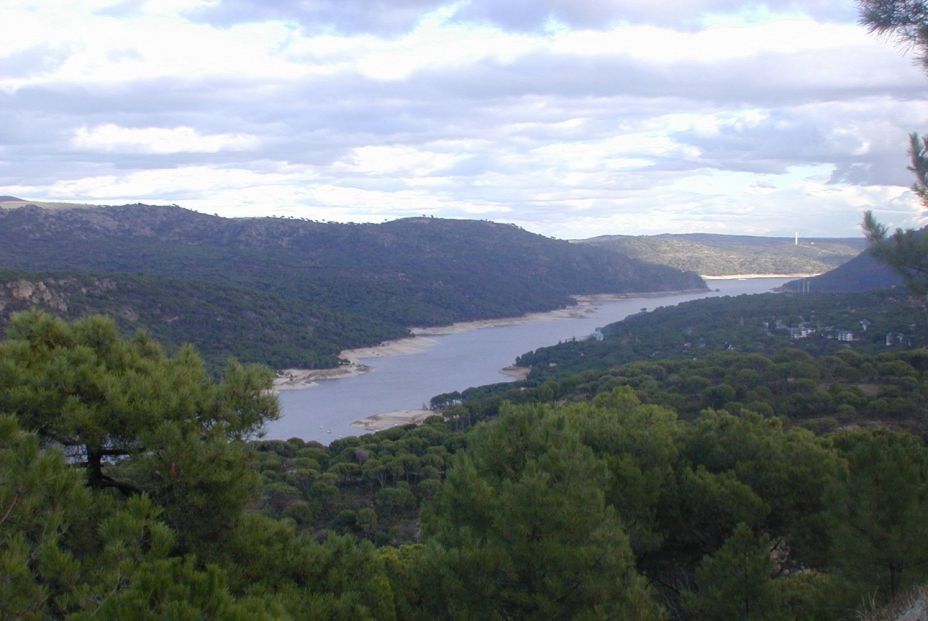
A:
569,118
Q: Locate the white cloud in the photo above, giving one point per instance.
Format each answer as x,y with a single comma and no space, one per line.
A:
388,160
111,138
570,118
170,184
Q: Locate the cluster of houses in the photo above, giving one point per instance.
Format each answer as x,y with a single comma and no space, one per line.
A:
807,329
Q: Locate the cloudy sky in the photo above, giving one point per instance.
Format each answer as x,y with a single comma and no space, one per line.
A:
570,118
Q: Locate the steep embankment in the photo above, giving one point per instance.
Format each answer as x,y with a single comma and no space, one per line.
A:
222,321
862,273
321,286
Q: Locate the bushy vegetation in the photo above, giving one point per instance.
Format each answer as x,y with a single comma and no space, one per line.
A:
818,324
129,489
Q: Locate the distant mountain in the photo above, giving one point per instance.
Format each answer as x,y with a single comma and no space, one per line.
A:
10,199
728,255
216,281
862,273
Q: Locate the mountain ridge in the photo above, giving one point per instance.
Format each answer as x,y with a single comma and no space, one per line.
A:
356,284
714,255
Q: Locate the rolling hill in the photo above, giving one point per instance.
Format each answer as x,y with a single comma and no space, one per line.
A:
314,288
728,255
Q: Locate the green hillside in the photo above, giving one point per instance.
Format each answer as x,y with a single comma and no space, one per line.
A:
726,255
223,321
294,293
862,273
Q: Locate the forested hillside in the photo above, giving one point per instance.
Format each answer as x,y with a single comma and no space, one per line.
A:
323,287
726,255
246,323
862,273
666,489
818,324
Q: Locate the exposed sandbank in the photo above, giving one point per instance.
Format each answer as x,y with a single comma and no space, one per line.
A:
296,379
410,345
517,372
379,422
586,304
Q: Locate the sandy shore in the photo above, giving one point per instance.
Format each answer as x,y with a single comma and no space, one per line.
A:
519,373
379,422
296,379
410,345
744,276
586,304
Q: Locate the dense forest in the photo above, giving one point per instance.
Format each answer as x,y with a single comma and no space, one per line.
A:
191,277
726,255
815,323
790,482
222,320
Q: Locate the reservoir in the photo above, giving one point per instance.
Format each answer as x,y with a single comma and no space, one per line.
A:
445,361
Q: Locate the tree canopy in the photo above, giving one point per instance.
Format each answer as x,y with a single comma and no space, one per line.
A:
607,507
904,250
907,20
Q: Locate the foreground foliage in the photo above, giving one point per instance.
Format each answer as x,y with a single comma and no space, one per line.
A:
602,508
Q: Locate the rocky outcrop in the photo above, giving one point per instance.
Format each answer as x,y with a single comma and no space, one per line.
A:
52,294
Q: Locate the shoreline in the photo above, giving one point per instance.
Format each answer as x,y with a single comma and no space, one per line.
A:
585,305
298,379
301,379
746,276
516,372
379,422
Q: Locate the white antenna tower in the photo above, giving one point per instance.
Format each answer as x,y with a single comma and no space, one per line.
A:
797,239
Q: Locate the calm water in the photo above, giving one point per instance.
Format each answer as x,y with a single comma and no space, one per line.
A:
324,412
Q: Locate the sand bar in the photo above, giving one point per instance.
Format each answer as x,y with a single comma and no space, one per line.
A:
296,379
517,372
379,422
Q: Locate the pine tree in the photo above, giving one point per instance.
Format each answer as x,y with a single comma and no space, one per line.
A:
906,251
524,531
